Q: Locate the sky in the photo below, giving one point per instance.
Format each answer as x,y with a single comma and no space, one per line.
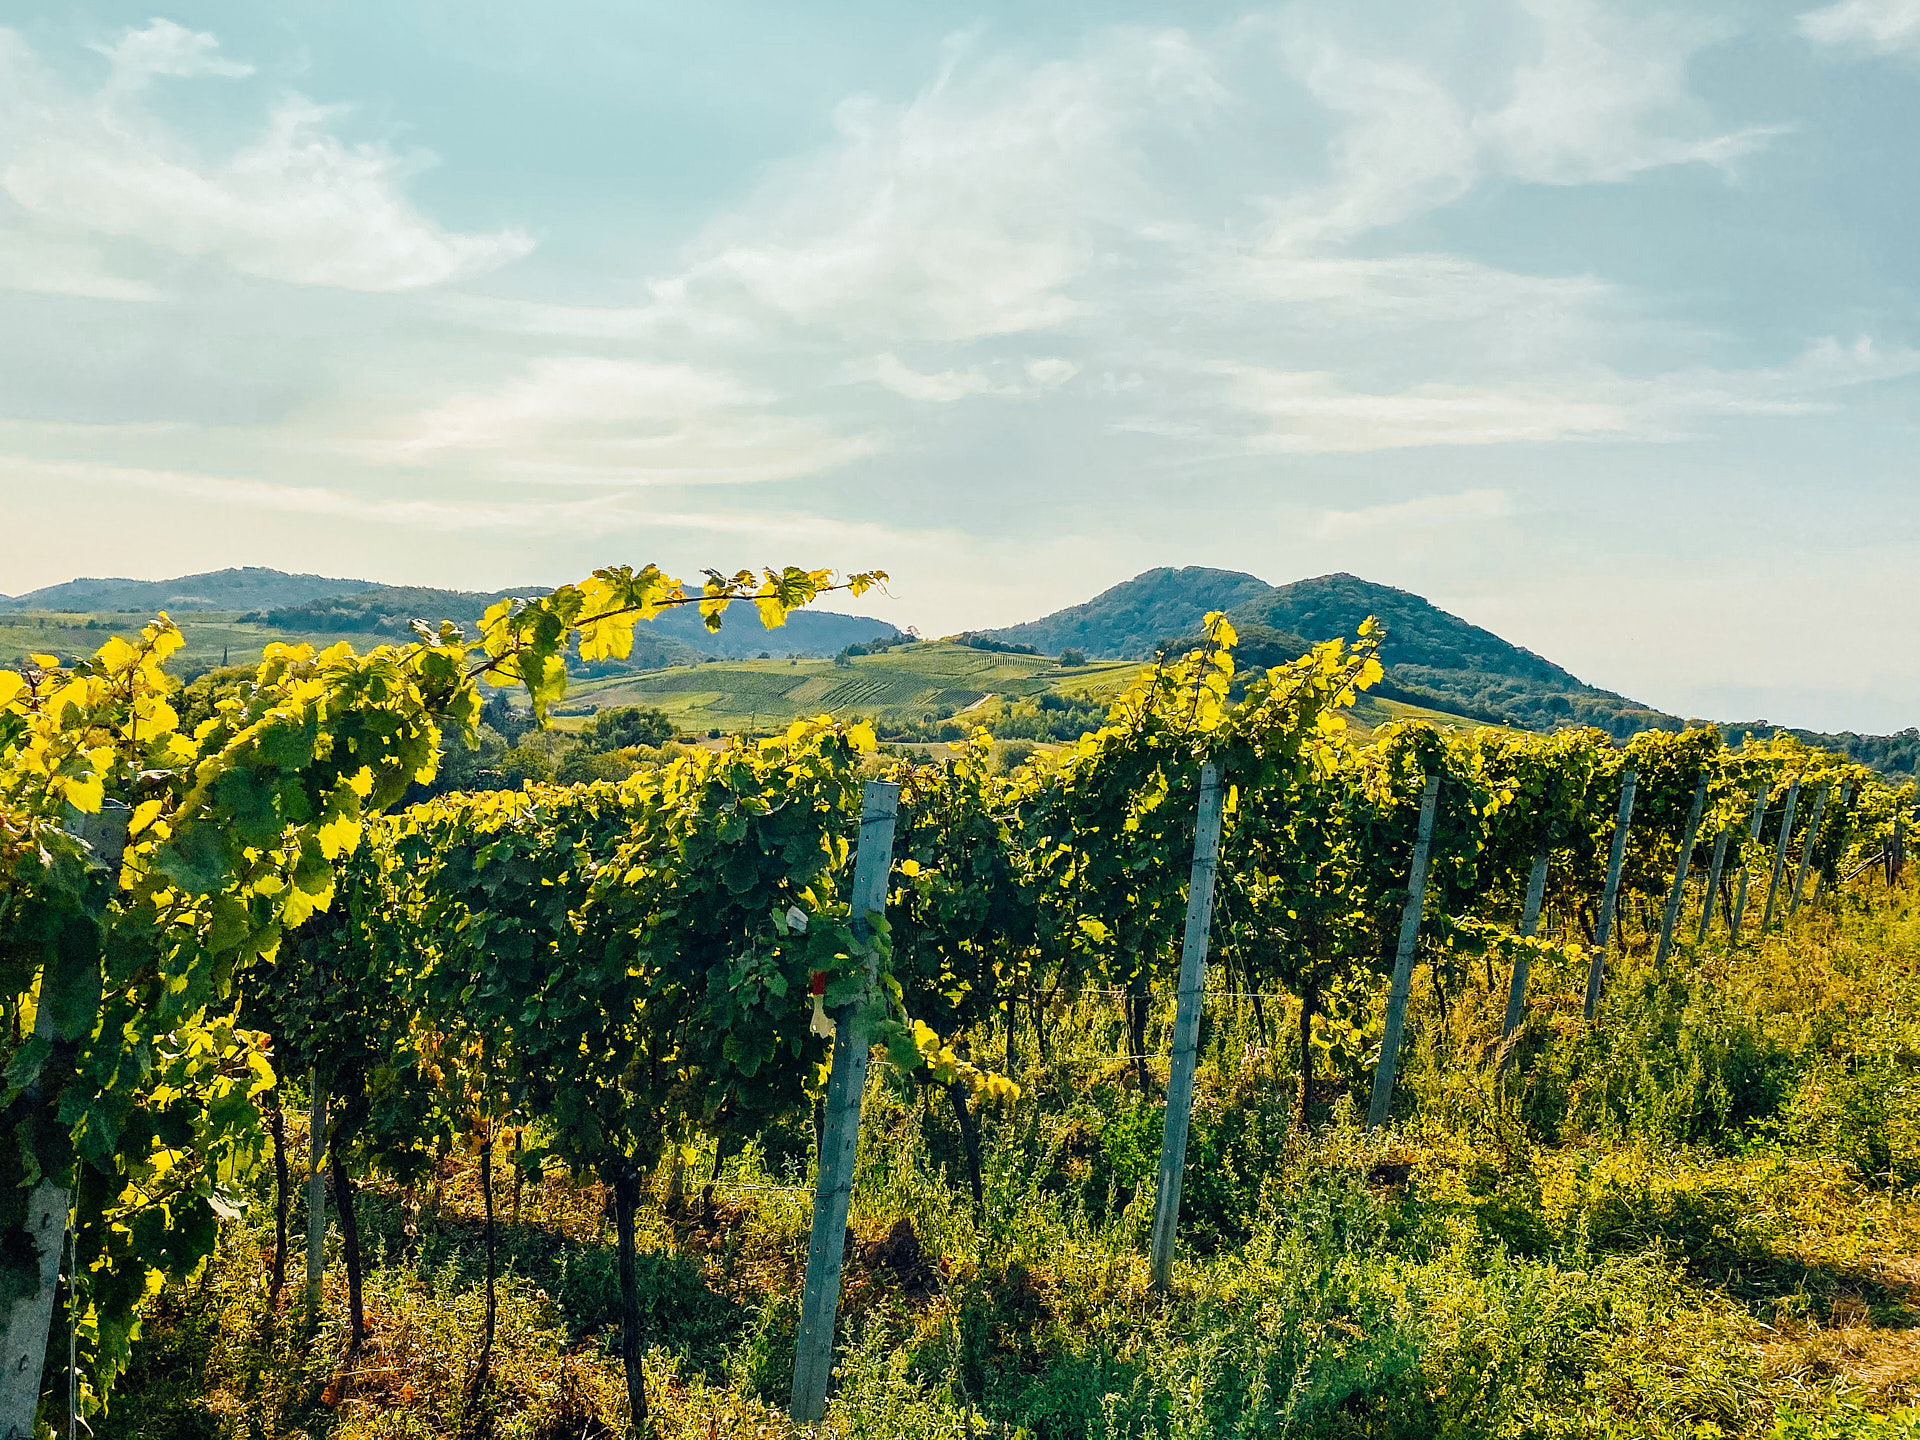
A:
1595,324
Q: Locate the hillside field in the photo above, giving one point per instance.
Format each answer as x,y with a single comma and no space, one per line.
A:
935,678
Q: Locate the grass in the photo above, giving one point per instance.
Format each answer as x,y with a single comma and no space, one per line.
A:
911,682
213,637
1698,1219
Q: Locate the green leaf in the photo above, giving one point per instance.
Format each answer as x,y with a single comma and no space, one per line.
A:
196,858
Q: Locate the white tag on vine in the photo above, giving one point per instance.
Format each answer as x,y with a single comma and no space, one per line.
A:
797,920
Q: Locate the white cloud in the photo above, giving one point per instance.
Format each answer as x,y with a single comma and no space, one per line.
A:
1406,147
1312,412
974,210
1886,27
1315,413
942,387
1601,98
542,517
631,422
1606,98
295,204
1423,513
165,48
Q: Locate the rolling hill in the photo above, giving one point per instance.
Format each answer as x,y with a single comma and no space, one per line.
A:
1433,658
248,587
674,637
1135,617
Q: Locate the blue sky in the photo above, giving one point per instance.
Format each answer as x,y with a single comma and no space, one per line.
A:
1594,323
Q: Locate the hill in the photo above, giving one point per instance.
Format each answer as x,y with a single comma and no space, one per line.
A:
1133,619
908,686
675,637
1434,659
249,587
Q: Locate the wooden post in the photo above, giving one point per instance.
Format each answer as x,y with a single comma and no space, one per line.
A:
1753,835
1780,854
1679,892
29,1318
1806,848
1529,923
1897,856
833,1187
1713,885
316,1192
1186,1027
1383,1073
1603,926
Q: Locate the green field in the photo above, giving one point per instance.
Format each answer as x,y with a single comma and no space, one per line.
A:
905,684
910,683
214,637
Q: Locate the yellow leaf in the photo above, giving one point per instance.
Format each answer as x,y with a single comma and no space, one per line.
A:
45,662
910,868
144,815
86,795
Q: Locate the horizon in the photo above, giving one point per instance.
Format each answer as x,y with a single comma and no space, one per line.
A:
1593,325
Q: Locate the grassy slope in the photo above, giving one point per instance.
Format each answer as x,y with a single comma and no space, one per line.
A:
1698,1220
209,635
907,682
899,684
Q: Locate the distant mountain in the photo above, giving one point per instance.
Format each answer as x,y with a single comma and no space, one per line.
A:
742,636
1432,658
1135,617
675,637
250,587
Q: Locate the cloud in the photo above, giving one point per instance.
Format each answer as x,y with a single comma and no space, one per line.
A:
1314,413
974,210
1406,146
1466,506
1885,27
542,517
164,48
943,387
1606,98
296,203
632,422
1599,99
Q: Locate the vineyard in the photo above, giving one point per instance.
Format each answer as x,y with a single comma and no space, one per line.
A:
1225,1073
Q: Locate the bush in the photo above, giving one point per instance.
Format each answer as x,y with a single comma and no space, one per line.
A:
620,727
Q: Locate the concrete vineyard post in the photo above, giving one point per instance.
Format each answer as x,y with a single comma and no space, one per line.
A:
1529,923
1753,837
1186,1027
316,1191
1897,855
1780,854
1679,892
1806,848
1383,1073
1603,926
1713,886
833,1188
1840,823
29,1318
